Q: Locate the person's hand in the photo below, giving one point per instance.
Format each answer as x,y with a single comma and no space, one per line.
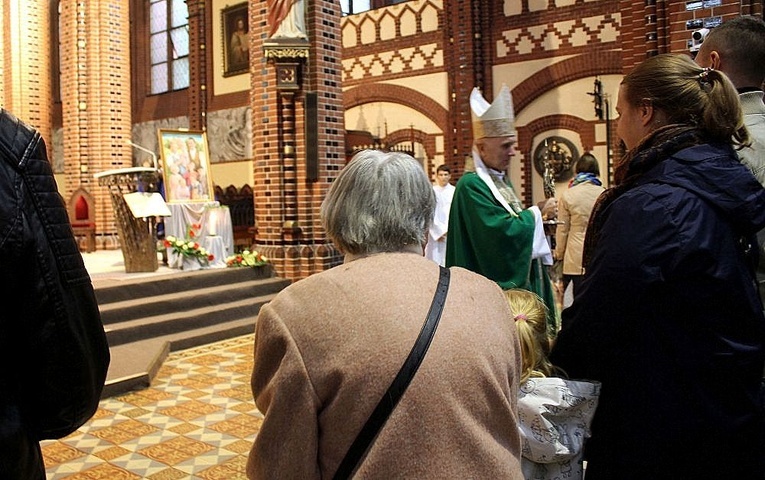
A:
550,209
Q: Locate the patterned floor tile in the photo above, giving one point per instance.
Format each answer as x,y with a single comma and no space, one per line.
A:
195,394
124,431
196,421
239,426
184,428
177,450
245,408
168,474
135,412
105,471
242,393
189,410
239,446
111,453
231,470
59,452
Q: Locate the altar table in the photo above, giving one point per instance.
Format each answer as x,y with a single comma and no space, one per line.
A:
216,228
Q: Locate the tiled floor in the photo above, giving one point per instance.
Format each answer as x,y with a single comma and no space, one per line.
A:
196,421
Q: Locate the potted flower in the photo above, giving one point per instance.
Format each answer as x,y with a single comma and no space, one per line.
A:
191,253
246,259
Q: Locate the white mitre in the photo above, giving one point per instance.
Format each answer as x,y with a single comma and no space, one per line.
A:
492,119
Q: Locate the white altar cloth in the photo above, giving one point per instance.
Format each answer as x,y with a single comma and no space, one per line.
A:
215,221
214,244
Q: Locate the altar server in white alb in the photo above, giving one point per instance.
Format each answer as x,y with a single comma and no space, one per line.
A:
436,246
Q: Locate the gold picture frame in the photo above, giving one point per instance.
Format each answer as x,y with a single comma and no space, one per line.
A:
236,46
186,166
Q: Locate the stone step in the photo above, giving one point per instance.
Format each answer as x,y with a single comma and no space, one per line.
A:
151,326
147,318
111,290
187,300
134,365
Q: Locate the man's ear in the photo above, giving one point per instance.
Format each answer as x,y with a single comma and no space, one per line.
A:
714,60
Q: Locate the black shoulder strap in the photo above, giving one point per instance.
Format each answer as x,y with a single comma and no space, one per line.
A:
391,397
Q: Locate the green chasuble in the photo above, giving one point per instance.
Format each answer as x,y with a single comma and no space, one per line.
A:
487,239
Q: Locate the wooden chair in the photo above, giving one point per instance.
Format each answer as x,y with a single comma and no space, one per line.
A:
242,208
82,217
243,219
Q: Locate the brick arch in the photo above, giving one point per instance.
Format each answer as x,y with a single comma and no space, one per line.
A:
406,135
413,99
588,65
584,128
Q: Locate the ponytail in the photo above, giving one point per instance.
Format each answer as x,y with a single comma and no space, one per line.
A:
720,119
530,316
690,95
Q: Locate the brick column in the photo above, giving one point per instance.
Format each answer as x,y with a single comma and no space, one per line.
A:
197,65
26,89
291,229
464,53
288,194
95,97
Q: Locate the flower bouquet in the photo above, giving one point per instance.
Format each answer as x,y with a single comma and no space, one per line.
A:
246,259
188,247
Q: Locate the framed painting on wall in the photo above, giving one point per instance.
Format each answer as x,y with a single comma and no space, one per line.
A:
236,42
186,166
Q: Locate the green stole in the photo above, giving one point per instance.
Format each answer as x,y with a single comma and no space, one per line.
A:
507,192
539,278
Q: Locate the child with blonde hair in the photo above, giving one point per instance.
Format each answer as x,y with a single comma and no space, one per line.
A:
530,321
554,413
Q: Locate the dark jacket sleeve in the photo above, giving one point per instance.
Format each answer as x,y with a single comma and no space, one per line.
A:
54,350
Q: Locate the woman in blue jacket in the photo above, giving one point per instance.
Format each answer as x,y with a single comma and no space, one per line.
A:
667,317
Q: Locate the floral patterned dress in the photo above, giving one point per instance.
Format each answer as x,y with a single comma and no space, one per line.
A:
554,418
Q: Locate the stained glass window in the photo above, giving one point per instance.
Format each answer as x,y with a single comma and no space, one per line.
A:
169,45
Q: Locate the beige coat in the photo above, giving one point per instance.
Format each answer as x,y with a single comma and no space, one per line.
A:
574,208
328,346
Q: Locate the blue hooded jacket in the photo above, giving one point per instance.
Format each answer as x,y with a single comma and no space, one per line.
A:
669,320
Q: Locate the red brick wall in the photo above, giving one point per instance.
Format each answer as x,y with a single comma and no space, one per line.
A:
469,36
654,26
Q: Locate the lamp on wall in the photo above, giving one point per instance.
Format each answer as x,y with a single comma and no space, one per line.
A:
145,150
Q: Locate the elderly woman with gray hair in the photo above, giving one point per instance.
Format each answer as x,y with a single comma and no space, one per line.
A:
328,347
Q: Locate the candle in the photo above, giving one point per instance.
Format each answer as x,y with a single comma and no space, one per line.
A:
211,220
